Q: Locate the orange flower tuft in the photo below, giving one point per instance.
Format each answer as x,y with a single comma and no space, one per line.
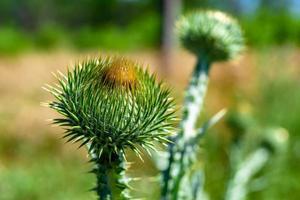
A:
120,73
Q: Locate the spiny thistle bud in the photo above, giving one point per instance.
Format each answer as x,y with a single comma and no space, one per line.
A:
212,33
111,103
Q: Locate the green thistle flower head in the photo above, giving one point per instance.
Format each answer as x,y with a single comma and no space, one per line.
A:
212,33
111,103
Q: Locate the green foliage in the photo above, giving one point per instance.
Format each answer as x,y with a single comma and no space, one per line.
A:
212,33
38,169
83,24
279,104
126,25
47,179
50,36
265,28
13,41
142,33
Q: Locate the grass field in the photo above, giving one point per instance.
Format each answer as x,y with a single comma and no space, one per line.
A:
35,164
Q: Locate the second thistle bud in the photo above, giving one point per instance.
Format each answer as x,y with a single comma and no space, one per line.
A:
212,33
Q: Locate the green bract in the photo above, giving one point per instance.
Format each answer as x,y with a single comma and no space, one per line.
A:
110,104
212,33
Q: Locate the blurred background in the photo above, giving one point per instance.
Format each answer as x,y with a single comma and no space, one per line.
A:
261,89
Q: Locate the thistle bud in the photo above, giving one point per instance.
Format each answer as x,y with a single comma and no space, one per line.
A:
111,103
212,33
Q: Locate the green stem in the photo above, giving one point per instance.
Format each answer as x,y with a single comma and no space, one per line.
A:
194,98
112,183
197,183
103,188
178,162
237,188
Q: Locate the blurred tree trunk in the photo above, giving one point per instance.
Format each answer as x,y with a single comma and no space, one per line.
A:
170,11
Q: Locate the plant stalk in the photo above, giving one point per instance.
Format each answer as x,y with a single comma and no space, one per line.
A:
112,183
178,161
237,188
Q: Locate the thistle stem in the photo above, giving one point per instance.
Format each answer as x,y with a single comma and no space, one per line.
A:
103,188
194,98
197,182
178,161
112,183
237,188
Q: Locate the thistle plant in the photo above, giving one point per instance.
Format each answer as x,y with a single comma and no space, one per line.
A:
211,36
109,105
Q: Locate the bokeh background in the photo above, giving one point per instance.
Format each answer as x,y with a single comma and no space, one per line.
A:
261,90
